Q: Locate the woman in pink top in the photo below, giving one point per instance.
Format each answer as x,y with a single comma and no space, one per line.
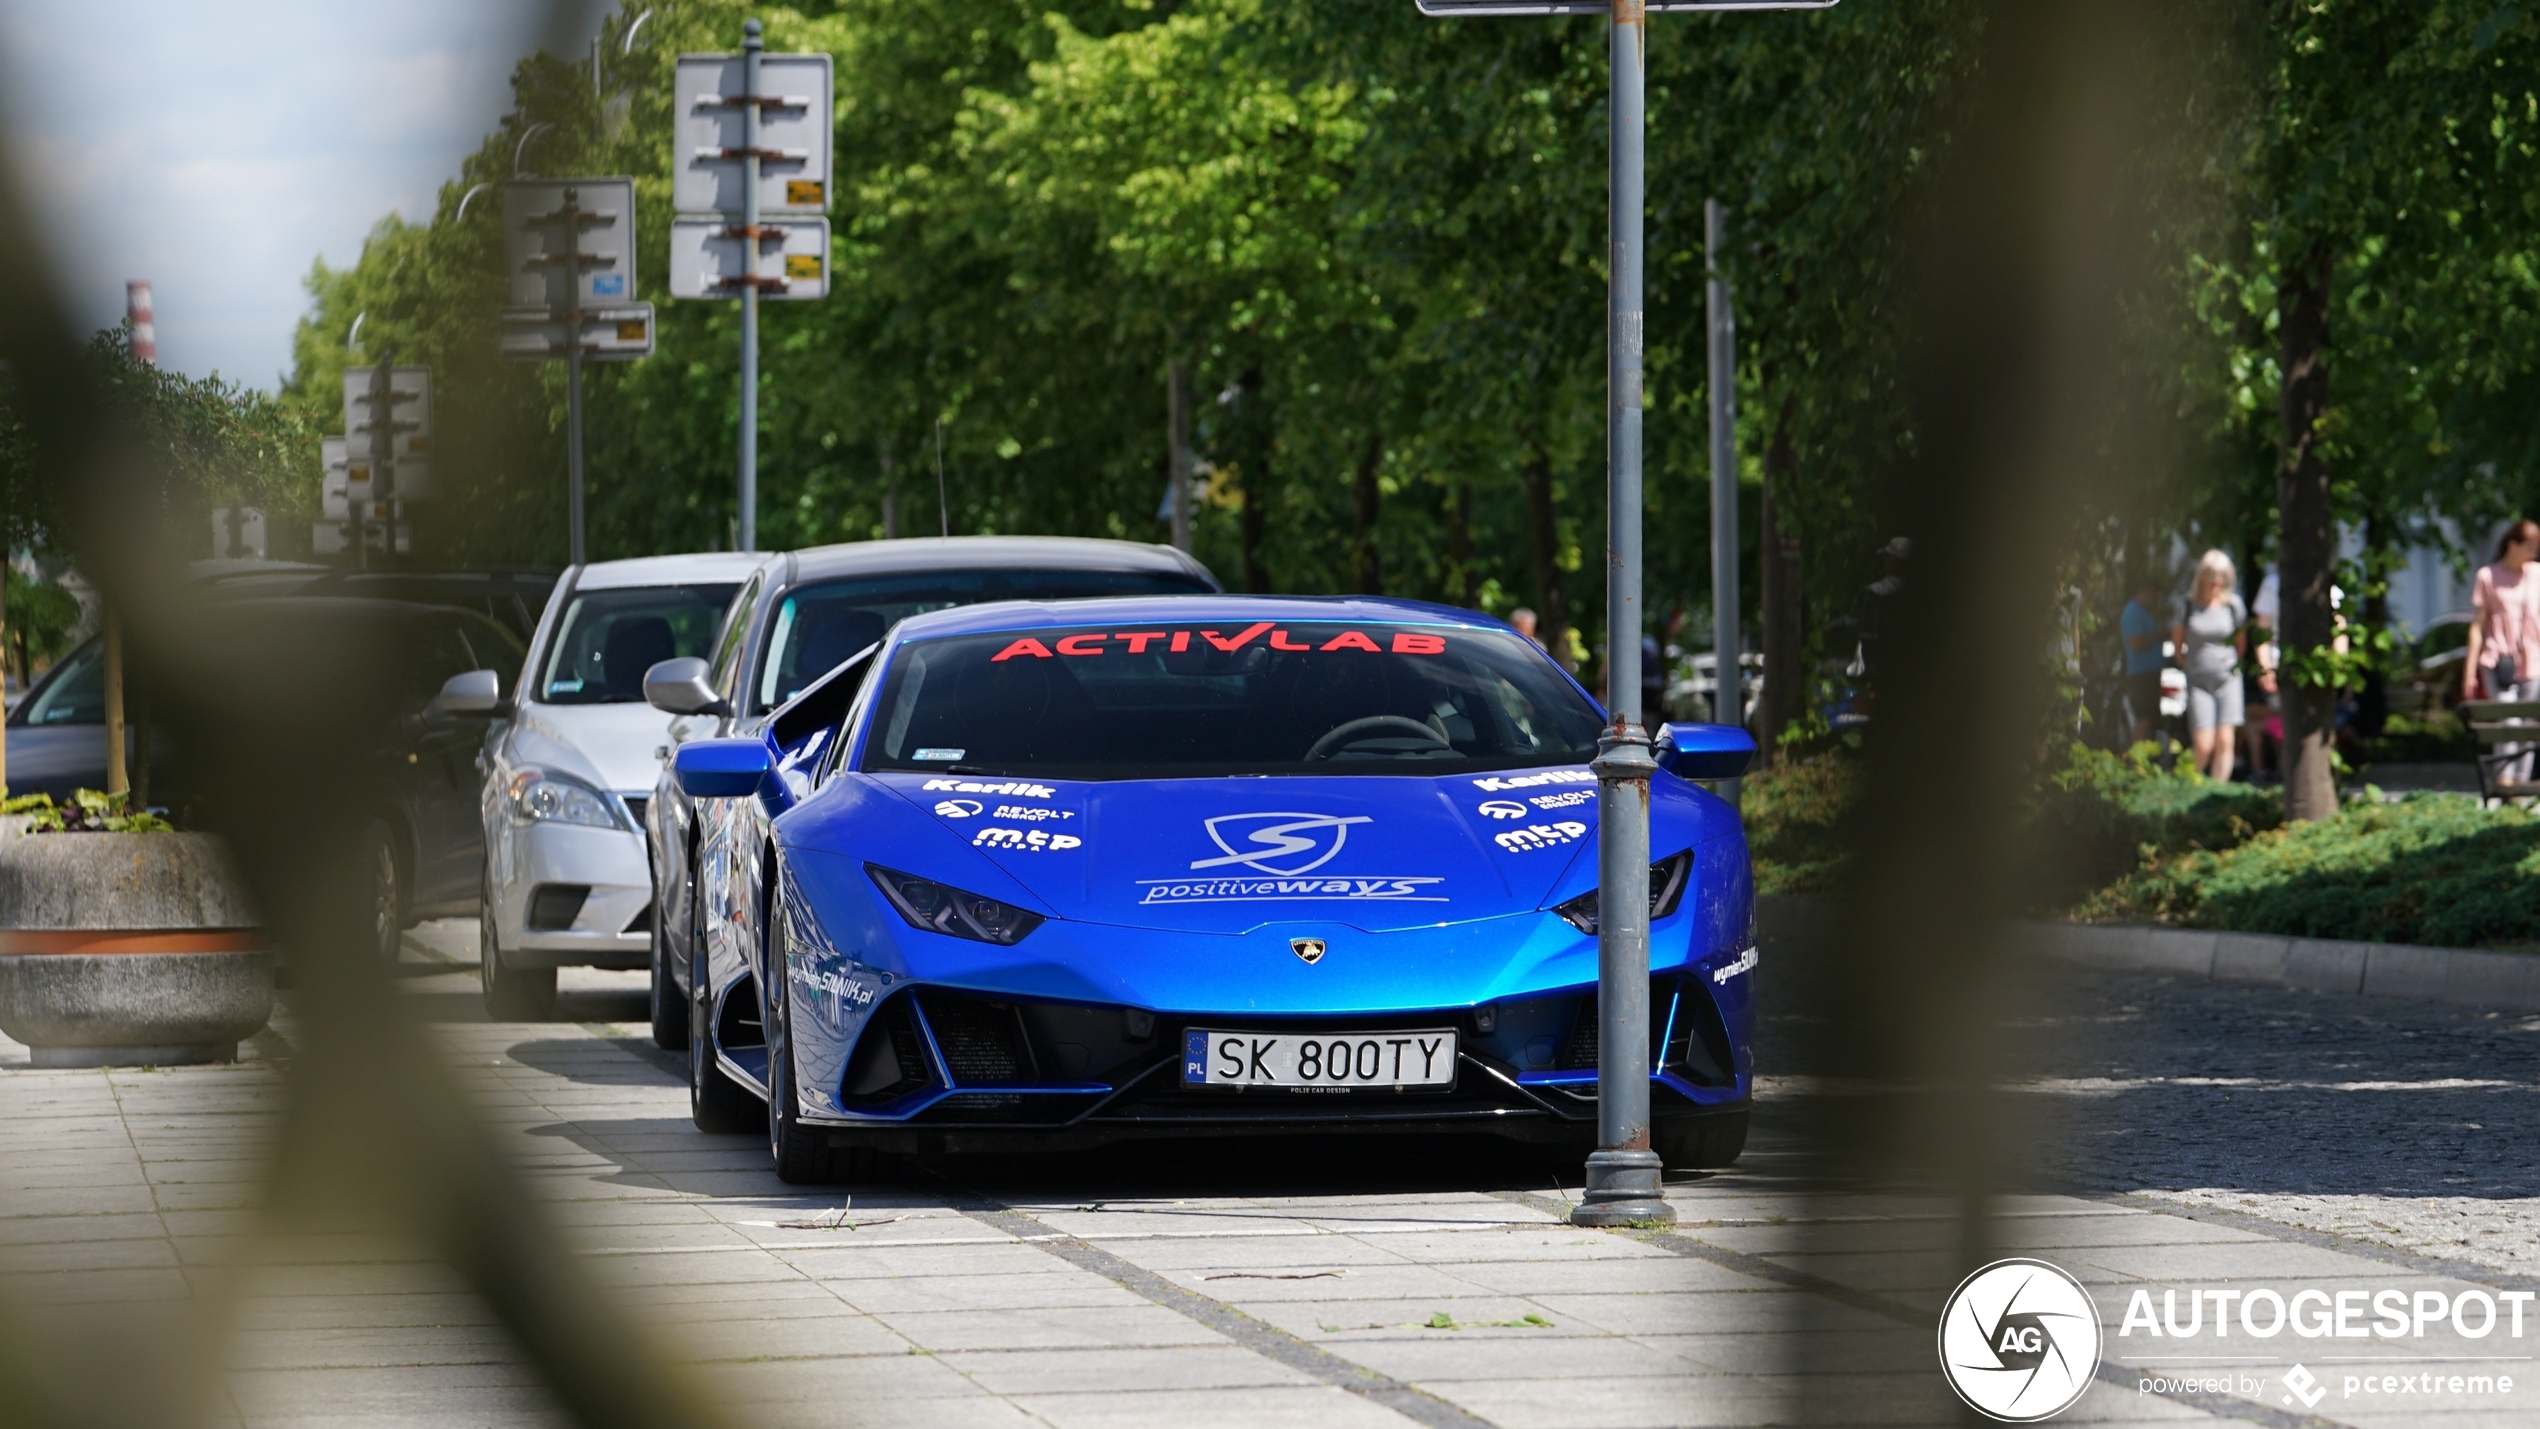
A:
2504,635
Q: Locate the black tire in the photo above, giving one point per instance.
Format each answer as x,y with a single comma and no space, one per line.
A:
716,1103
801,1153
670,1008
511,994
1701,1143
387,891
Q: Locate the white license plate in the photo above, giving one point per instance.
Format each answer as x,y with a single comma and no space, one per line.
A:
1319,1060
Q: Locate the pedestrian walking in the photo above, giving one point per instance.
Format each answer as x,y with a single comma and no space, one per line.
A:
2212,635
1522,620
2504,634
2141,630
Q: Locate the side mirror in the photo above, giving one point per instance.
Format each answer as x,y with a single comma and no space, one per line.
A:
1705,751
722,768
478,692
679,687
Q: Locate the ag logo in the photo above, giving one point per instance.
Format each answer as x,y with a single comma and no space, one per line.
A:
1310,949
958,808
1279,843
2019,1341
1503,809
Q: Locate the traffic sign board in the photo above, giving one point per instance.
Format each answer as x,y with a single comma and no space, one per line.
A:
620,332
709,258
542,244
409,395
795,121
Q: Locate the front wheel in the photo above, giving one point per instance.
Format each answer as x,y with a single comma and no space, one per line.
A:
387,892
716,1103
511,994
670,1009
801,1153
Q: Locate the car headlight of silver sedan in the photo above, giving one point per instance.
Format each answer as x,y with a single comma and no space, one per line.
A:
543,796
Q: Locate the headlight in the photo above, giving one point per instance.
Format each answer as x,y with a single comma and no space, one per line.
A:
544,796
940,908
1667,880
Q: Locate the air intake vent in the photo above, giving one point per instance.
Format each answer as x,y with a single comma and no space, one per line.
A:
889,1061
983,1042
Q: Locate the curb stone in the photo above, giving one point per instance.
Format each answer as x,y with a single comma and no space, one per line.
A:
2504,982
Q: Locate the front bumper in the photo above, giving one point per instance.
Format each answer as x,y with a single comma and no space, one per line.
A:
942,1071
534,871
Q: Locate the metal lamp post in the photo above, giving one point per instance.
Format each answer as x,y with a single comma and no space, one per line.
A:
1623,1173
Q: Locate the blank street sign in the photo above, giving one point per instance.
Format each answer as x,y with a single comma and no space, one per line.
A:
619,332
537,252
410,410
793,135
707,259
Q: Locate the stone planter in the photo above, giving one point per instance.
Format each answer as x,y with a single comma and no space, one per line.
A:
124,950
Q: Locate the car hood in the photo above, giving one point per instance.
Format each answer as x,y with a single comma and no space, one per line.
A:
1371,852
616,746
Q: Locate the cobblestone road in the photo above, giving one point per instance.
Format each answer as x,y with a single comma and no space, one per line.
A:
2408,1124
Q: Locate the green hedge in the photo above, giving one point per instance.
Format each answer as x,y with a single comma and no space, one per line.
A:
2432,868
2124,839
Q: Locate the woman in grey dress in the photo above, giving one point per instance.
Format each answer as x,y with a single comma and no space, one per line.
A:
2211,636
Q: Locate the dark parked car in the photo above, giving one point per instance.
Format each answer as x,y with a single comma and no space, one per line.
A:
57,734
416,732
804,613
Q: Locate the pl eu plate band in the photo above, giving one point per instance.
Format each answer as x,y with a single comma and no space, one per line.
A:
1268,1341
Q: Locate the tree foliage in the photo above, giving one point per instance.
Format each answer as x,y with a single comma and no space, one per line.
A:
1380,242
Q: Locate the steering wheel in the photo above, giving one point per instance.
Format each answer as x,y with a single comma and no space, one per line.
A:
1342,736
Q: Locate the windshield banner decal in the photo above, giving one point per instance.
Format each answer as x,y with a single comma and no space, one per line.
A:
1136,642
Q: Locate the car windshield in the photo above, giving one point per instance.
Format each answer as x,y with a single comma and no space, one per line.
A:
1228,698
817,626
609,638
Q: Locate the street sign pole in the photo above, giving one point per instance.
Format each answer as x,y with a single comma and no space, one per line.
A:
1623,1172
722,240
572,216
752,45
1728,700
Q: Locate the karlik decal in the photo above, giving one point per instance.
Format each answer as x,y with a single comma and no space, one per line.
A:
1030,839
1137,642
1022,813
965,786
1535,836
1280,843
1497,782
1502,809
1281,890
960,808
1570,800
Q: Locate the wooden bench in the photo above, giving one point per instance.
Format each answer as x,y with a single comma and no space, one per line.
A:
2496,723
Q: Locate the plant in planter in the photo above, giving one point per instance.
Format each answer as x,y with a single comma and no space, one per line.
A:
122,941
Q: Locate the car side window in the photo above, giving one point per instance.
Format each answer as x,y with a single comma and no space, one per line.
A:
77,694
727,648
437,652
493,647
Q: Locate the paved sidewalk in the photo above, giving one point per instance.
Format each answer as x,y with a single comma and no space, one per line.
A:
1213,1286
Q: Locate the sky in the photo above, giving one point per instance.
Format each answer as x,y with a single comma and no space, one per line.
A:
218,147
